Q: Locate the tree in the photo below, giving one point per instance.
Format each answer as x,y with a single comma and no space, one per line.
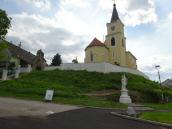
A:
5,24
3,46
56,61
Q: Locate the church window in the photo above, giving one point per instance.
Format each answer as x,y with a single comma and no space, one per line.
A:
113,41
91,56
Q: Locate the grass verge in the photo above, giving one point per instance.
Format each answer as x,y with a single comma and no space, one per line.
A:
165,106
163,117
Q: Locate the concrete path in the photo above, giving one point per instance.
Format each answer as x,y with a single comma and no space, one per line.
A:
14,107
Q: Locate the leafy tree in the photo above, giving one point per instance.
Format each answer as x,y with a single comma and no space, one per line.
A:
56,61
5,24
3,46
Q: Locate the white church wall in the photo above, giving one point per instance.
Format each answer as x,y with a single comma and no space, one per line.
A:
114,68
96,67
92,67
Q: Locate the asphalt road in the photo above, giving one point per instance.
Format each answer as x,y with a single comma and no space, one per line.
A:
85,118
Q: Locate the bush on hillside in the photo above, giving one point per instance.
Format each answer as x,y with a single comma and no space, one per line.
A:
56,61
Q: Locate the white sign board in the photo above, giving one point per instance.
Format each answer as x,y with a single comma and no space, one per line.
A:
49,95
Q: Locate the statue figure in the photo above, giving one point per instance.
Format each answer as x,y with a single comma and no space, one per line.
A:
124,98
124,82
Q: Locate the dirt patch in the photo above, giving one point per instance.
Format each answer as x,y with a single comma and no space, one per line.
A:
102,93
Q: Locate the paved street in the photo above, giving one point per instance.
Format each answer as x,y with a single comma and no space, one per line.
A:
22,114
85,118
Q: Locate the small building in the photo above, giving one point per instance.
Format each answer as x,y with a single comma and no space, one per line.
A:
19,56
113,49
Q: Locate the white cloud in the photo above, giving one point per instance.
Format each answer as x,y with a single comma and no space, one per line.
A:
70,21
76,3
133,12
44,5
140,16
79,21
105,5
170,16
28,24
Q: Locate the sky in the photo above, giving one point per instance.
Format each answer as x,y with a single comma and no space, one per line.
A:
68,26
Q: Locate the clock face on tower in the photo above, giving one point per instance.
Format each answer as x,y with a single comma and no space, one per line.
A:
113,28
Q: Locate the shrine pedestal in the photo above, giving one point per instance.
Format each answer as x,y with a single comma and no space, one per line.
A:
125,98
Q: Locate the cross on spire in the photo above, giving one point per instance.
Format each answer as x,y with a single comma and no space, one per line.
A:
114,1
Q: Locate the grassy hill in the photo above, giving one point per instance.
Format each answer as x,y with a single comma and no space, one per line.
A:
71,87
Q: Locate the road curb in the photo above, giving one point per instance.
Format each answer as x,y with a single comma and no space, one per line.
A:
123,109
141,120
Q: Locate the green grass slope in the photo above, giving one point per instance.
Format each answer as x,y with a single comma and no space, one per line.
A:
71,86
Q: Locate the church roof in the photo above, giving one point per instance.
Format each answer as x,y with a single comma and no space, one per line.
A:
96,42
115,16
131,54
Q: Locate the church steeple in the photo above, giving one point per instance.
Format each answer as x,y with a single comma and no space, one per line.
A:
113,50
115,16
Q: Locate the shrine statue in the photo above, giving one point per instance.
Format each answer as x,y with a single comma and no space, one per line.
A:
124,82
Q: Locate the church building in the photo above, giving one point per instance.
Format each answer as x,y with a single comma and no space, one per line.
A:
113,50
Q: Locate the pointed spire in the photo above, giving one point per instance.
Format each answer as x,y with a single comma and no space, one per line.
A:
114,14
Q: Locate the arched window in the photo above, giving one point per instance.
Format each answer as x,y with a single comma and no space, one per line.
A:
113,41
91,56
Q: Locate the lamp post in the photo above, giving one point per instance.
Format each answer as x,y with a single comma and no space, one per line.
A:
157,68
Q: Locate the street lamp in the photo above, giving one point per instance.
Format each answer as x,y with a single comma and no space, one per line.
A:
157,68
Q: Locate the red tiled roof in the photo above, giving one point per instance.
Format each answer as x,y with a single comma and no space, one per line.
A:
96,42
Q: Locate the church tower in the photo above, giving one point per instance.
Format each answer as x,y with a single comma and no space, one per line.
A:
113,50
115,40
